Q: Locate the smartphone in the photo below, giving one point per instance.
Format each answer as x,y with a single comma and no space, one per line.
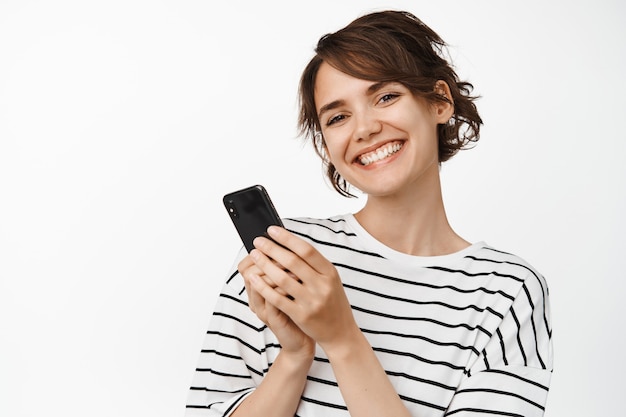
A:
252,212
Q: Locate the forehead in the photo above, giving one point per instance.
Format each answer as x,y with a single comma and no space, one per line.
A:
332,85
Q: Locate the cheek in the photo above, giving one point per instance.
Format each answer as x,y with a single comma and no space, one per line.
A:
335,159
334,151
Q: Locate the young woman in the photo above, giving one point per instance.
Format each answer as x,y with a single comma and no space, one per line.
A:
386,312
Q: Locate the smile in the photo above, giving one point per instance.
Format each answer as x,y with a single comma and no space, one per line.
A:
379,154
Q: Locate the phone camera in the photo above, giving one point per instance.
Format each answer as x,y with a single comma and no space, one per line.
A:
232,210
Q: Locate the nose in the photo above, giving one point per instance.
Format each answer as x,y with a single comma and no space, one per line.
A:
366,125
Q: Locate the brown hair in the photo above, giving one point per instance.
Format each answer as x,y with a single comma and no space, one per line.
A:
390,46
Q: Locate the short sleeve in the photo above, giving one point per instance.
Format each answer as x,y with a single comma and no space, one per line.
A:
232,361
511,376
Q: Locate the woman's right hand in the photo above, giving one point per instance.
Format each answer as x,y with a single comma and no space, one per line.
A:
281,389
291,338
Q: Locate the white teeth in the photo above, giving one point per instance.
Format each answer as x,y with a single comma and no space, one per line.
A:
380,153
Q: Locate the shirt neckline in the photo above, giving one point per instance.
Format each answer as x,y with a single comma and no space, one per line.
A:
378,247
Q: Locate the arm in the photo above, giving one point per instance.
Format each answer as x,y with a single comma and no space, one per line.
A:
512,374
362,380
233,356
318,305
280,391
236,352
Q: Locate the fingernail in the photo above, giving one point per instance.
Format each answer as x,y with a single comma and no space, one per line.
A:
259,242
273,231
255,254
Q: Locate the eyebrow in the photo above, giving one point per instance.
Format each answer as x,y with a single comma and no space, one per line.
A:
330,106
338,103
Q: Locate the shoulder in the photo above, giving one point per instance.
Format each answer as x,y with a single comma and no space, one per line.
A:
508,265
500,259
334,225
332,230
334,236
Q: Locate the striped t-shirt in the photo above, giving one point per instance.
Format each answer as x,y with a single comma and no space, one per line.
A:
462,334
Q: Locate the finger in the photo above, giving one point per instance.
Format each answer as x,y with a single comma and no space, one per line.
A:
280,266
300,247
273,297
255,301
247,266
248,261
245,263
298,263
257,271
284,280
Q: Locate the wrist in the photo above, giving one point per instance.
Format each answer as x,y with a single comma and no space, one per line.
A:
297,360
347,346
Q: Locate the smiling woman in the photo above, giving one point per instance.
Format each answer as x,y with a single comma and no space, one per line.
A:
407,53
123,123
379,136
387,311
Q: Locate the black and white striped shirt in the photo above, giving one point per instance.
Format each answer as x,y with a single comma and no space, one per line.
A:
461,334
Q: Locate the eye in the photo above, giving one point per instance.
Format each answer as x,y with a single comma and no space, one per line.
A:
388,97
335,119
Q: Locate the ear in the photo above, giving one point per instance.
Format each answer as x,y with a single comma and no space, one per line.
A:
443,109
321,147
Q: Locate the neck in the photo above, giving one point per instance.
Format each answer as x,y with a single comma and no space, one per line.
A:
413,222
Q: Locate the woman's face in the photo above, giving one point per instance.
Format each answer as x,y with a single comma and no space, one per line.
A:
379,136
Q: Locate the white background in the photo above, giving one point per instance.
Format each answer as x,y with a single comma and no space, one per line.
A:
122,123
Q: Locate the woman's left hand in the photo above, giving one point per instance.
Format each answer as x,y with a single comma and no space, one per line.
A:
315,300
309,291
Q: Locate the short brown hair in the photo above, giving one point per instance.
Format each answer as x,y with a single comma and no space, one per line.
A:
390,46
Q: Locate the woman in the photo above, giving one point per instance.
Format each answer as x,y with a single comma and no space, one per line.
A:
387,312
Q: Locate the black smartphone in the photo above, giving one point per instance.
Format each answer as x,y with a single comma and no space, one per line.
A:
252,212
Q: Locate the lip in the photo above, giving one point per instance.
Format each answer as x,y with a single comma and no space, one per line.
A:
357,158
